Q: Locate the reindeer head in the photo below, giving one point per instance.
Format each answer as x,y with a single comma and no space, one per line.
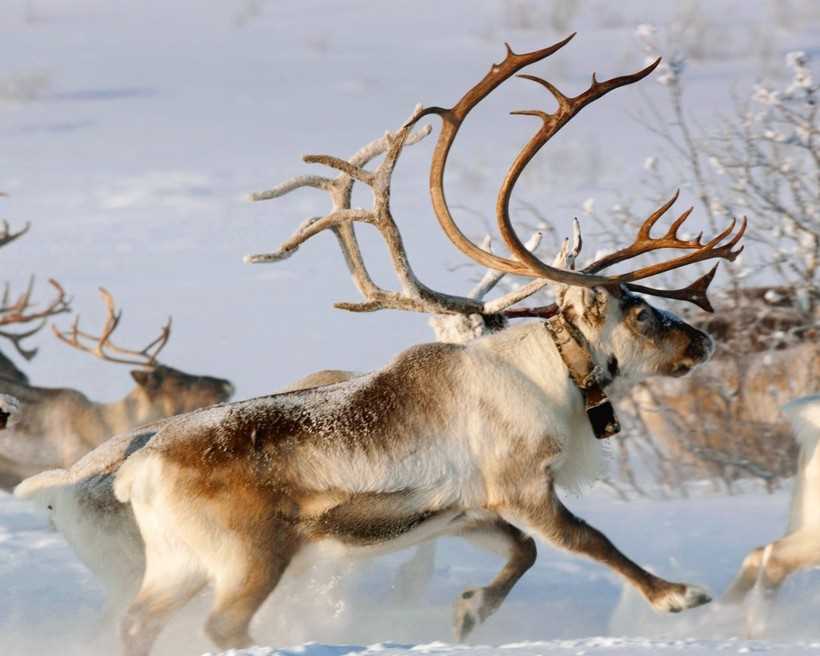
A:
165,389
177,391
629,337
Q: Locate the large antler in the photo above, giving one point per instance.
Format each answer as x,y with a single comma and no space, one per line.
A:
414,295
22,311
527,264
146,357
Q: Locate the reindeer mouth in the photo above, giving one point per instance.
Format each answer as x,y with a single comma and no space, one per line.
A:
681,369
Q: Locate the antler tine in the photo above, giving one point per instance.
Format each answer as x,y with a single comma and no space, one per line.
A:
19,311
492,277
112,321
14,312
103,343
159,343
17,340
7,236
694,293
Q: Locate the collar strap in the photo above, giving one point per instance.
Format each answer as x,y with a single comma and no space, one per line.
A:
574,350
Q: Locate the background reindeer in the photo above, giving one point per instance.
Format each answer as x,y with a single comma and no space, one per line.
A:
768,567
57,426
445,439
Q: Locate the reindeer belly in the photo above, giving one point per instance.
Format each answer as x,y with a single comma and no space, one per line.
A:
370,523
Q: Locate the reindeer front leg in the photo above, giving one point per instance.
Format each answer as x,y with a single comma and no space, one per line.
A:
547,516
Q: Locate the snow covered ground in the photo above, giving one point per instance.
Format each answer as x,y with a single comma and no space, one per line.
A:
132,133
564,605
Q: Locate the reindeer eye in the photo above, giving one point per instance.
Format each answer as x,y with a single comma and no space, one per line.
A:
643,315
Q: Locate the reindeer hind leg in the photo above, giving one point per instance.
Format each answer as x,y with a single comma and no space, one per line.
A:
474,606
238,597
171,580
779,560
745,578
242,583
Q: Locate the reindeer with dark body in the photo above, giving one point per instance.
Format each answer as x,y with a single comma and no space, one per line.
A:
57,426
446,440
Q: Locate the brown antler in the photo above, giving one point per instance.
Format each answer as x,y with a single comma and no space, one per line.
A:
7,236
146,357
21,311
527,264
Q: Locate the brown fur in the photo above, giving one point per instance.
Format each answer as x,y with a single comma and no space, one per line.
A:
63,424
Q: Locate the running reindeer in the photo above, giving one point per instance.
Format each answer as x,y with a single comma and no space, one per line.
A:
103,532
57,426
766,568
447,439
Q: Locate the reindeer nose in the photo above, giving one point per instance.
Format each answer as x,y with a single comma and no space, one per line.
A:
228,389
701,346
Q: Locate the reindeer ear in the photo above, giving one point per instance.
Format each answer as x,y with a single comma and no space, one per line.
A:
592,303
141,377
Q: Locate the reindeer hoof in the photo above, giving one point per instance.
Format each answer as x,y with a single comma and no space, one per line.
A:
682,597
468,613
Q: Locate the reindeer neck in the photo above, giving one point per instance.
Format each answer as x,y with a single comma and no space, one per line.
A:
126,413
565,365
529,348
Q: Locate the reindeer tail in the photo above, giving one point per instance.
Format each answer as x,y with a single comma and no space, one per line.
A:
134,479
44,488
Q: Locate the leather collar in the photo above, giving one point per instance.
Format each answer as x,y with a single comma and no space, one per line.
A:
587,376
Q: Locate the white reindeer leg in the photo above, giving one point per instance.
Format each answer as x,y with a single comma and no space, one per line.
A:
780,560
475,605
746,577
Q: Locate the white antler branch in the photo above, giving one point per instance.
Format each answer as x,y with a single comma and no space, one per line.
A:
414,295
